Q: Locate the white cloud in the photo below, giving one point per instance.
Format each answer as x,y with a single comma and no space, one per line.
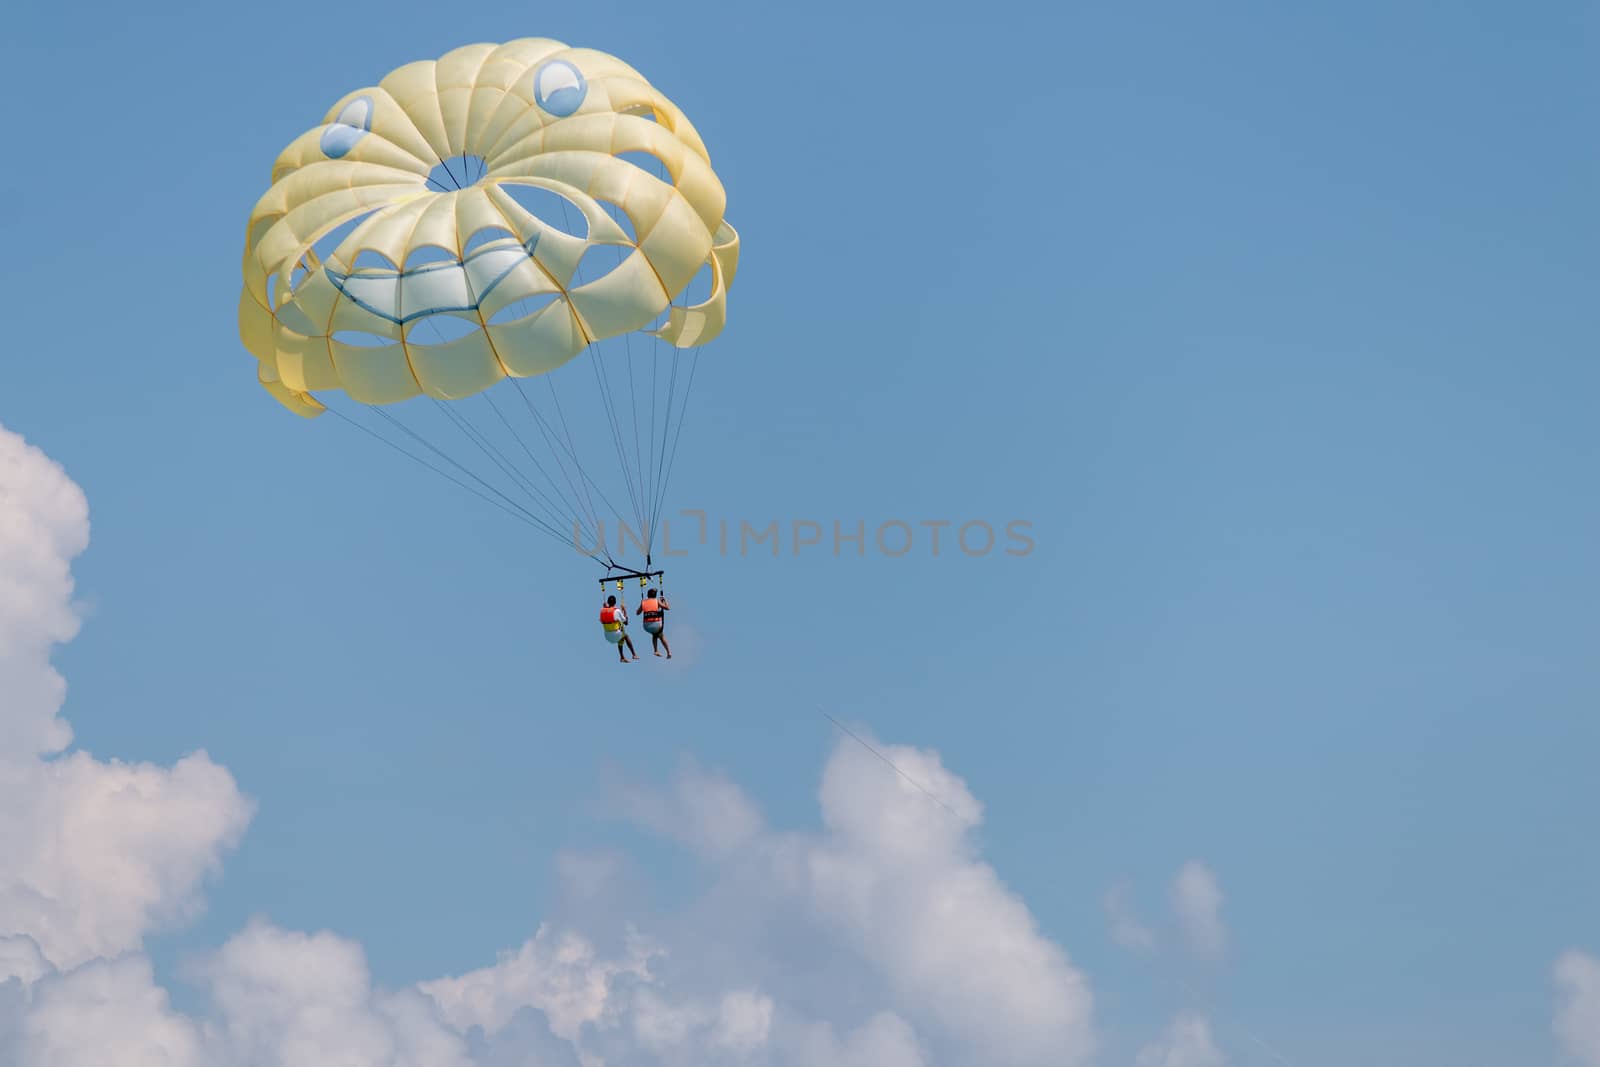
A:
744,1022
285,999
557,974
1197,902
885,1040
93,855
1127,929
797,931
925,926
703,810
21,959
44,524
882,941
1187,1043
108,1011
1577,1022
899,874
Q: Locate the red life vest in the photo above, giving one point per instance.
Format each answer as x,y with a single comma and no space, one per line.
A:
610,618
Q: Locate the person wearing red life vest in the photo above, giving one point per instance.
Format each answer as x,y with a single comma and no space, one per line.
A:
652,612
614,621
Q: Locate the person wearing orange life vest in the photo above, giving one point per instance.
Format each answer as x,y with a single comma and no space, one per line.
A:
614,621
652,611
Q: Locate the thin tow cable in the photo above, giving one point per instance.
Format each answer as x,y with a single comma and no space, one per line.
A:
920,787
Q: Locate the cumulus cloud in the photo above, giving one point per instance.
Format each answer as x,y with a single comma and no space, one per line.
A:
1577,1022
701,809
889,902
885,1040
1187,1043
1197,903
744,1022
909,923
558,974
44,525
900,876
21,959
73,1020
286,999
92,854
882,940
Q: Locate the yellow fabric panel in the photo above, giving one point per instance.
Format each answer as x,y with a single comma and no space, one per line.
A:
416,92
298,403
539,343
474,212
280,248
304,363
677,246
557,253
726,249
620,302
306,151
700,324
314,303
454,369
387,233
374,375
436,227
391,122
536,113
255,328
602,228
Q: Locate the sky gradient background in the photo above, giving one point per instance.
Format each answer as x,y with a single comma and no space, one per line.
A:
1277,326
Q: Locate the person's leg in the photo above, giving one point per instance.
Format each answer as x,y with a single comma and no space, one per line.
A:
663,636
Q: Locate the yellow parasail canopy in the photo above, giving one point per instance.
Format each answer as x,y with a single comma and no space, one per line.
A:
424,244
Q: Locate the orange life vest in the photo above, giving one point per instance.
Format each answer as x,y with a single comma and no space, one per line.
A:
650,610
610,619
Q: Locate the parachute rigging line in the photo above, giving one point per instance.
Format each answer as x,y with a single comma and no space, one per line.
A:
553,514
553,440
528,516
511,508
602,384
694,365
495,456
578,519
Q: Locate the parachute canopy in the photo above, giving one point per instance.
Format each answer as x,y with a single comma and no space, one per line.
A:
406,246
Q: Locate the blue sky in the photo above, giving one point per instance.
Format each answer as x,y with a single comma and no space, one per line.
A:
1276,325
